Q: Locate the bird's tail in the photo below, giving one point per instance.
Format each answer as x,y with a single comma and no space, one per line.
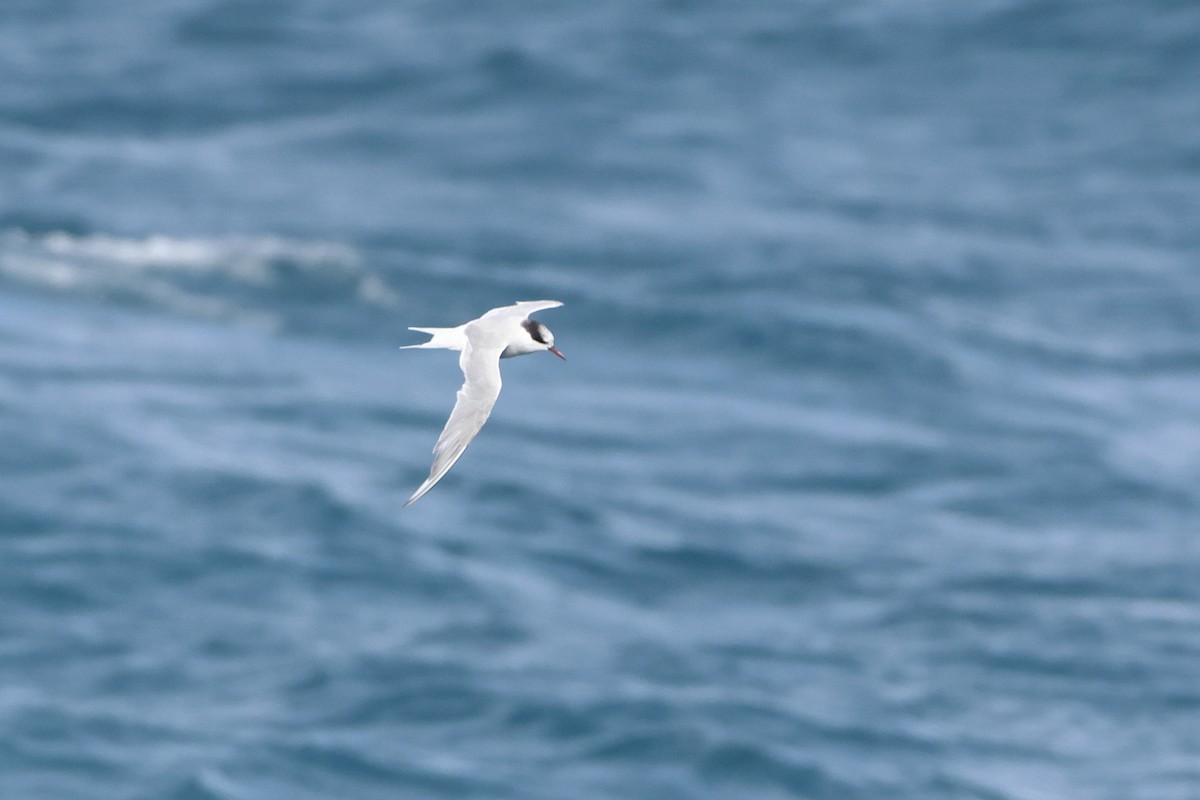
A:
443,338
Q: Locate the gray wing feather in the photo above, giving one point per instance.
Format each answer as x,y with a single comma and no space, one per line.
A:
481,387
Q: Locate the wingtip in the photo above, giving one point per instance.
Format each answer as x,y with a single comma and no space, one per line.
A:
418,494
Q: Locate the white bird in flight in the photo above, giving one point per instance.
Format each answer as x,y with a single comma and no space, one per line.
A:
500,333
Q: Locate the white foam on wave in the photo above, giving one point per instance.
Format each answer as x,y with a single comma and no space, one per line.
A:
163,270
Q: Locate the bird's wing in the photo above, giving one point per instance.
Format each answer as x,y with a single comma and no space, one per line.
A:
521,309
481,386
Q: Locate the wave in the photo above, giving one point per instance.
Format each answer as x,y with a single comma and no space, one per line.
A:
260,278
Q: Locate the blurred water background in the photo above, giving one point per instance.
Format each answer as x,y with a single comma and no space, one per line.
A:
874,473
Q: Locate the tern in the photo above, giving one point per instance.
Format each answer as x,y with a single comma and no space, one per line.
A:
500,333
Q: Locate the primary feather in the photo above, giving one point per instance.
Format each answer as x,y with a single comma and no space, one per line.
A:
481,387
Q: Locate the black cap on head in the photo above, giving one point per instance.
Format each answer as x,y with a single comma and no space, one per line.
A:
535,330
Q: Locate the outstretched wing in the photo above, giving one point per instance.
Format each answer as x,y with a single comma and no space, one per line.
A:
481,387
521,309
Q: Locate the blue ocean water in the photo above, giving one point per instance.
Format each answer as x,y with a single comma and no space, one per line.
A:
874,473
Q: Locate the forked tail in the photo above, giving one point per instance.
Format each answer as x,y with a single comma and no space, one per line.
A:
443,338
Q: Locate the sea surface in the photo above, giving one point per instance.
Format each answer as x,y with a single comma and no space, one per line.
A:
874,472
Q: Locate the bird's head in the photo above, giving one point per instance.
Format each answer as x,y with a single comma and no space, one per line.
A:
542,336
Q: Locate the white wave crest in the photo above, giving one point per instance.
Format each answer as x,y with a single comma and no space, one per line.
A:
189,275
